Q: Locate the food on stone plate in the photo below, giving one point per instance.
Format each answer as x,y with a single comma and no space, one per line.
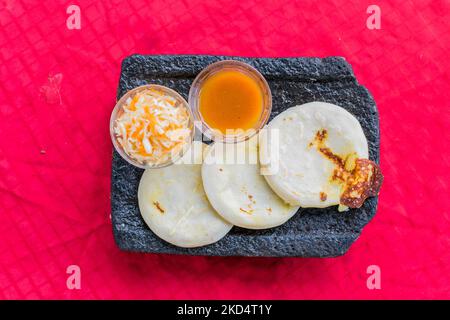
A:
173,203
311,155
230,100
322,159
236,189
153,127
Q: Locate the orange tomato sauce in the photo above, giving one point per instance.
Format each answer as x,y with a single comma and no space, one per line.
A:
230,100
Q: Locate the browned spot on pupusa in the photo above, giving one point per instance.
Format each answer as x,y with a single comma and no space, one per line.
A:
332,156
321,135
246,211
158,206
323,196
360,178
319,141
319,138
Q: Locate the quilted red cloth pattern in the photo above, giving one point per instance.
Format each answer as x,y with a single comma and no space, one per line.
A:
58,88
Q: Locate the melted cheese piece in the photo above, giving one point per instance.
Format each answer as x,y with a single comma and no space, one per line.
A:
152,127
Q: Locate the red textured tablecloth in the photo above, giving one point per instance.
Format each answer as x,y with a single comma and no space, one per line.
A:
55,150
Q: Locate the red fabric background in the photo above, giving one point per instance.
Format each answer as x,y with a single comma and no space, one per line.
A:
55,158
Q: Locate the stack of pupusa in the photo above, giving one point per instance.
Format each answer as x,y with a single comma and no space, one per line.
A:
312,155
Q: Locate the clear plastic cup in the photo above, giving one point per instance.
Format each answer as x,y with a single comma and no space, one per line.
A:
118,110
194,103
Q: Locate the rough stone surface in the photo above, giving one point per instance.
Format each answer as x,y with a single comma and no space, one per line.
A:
293,81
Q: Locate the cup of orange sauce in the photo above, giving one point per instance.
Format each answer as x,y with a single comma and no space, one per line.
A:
230,100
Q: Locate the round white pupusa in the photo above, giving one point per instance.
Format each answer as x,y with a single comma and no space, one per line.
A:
294,160
173,203
237,190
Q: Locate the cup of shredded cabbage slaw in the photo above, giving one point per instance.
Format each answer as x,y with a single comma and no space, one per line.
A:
151,126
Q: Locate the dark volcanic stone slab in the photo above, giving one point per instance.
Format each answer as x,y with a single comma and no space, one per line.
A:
293,81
